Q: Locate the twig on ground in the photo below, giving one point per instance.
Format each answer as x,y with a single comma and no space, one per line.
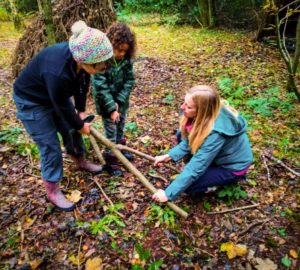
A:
107,198
252,225
234,209
266,166
78,255
270,156
143,155
159,177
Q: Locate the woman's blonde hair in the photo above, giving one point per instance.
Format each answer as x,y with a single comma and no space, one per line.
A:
207,104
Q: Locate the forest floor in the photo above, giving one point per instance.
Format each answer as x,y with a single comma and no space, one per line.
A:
252,76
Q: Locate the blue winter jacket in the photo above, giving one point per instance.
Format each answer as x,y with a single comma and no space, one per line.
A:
50,79
226,146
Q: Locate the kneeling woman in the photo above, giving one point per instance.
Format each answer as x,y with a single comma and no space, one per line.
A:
215,134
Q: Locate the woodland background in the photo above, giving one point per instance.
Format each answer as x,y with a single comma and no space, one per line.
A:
250,51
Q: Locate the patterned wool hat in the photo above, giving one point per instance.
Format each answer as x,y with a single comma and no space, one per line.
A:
89,45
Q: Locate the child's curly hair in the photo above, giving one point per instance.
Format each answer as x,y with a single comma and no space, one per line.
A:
119,33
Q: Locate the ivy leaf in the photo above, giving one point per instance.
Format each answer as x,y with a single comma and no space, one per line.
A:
75,196
286,261
266,264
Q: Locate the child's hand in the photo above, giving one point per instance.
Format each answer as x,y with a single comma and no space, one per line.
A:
160,196
82,115
115,116
85,129
160,159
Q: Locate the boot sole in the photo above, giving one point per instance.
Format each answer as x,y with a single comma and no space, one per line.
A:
65,209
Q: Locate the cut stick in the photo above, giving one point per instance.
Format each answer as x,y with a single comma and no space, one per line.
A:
143,155
234,209
107,143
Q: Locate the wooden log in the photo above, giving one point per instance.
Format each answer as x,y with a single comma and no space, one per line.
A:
133,169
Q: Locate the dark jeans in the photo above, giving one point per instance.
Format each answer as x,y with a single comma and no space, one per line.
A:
42,124
214,176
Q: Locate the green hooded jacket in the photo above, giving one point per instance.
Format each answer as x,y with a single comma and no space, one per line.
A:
113,86
226,146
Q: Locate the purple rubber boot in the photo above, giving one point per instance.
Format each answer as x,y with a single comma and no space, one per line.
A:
83,164
56,197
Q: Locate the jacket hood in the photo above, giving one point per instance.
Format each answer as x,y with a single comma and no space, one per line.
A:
229,125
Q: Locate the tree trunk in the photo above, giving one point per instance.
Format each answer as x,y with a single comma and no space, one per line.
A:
204,12
49,26
16,18
211,19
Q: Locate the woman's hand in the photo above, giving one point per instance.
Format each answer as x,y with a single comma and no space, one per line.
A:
160,159
82,115
160,196
115,116
85,129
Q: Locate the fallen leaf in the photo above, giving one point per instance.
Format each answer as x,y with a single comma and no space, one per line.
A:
35,263
233,250
74,259
28,222
5,149
174,176
94,264
266,264
90,252
145,139
75,196
293,254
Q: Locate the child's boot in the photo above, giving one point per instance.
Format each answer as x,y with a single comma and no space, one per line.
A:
112,164
83,164
56,197
127,154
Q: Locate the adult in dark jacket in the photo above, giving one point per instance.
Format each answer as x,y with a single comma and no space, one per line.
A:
43,93
215,135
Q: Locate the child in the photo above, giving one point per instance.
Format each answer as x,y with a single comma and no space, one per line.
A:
111,90
43,93
215,135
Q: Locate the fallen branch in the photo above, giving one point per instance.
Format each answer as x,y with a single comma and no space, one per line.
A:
78,255
97,150
252,225
234,209
266,166
270,156
133,169
143,155
159,177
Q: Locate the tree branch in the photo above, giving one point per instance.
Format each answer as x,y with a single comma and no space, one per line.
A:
97,150
133,169
234,209
270,156
138,153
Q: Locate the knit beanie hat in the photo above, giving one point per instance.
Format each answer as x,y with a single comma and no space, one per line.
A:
89,45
